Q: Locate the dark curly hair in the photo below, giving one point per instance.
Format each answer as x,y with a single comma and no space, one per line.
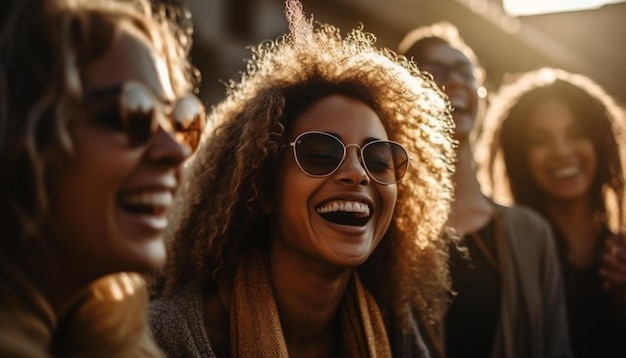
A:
504,147
231,177
44,45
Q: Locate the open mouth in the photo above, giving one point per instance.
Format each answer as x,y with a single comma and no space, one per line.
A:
154,203
565,172
351,213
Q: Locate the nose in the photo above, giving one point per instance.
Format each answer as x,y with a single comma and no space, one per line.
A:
352,170
562,146
165,150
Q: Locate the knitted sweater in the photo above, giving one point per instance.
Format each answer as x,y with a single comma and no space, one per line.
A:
178,326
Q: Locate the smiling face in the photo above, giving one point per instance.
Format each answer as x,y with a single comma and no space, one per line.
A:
455,75
561,157
110,199
338,219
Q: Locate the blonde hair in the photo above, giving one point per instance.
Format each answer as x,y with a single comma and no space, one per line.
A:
230,178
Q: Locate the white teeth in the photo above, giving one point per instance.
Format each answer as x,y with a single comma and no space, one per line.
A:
346,206
566,172
149,198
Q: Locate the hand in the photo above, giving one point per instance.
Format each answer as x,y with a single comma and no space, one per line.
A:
613,268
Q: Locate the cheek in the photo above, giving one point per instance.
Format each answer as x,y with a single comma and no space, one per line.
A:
291,190
589,151
536,158
102,164
389,196
87,190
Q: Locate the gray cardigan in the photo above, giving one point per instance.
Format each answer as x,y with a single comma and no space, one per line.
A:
533,321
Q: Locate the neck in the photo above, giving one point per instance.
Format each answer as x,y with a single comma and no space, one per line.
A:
570,217
471,210
578,227
308,298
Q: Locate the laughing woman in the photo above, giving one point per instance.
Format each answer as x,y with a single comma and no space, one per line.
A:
508,287
556,144
318,201
90,156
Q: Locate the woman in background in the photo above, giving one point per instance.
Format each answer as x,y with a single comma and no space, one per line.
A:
96,119
510,290
556,144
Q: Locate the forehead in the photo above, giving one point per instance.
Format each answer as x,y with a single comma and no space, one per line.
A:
347,117
551,113
446,54
131,57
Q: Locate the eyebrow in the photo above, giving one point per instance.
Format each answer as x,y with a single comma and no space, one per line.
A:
367,140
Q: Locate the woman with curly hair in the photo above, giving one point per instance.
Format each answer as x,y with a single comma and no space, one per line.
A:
96,120
303,230
556,144
510,289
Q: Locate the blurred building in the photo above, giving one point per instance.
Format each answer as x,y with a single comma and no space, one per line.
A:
587,42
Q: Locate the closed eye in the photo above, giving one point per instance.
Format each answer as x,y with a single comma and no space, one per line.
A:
379,164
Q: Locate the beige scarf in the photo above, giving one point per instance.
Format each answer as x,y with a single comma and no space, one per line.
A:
255,329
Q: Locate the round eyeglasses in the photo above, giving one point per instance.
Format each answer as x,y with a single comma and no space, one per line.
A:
320,154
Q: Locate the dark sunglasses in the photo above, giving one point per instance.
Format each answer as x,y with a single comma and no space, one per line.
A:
137,112
320,154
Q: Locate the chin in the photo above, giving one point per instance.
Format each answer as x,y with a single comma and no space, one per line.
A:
147,258
349,260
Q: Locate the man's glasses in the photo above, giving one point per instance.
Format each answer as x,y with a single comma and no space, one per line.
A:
442,71
320,154
137,112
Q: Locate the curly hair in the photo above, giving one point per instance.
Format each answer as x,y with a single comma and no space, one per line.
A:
504,146
44,46
230,179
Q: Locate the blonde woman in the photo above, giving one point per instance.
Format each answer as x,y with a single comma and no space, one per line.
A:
97,118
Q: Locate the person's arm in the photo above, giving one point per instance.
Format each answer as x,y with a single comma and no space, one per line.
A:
613,269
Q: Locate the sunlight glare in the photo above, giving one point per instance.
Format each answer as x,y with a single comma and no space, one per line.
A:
536,7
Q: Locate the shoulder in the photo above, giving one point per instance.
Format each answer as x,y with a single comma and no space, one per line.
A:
528,234
177,323
109,317
522,217
176,309
526,230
